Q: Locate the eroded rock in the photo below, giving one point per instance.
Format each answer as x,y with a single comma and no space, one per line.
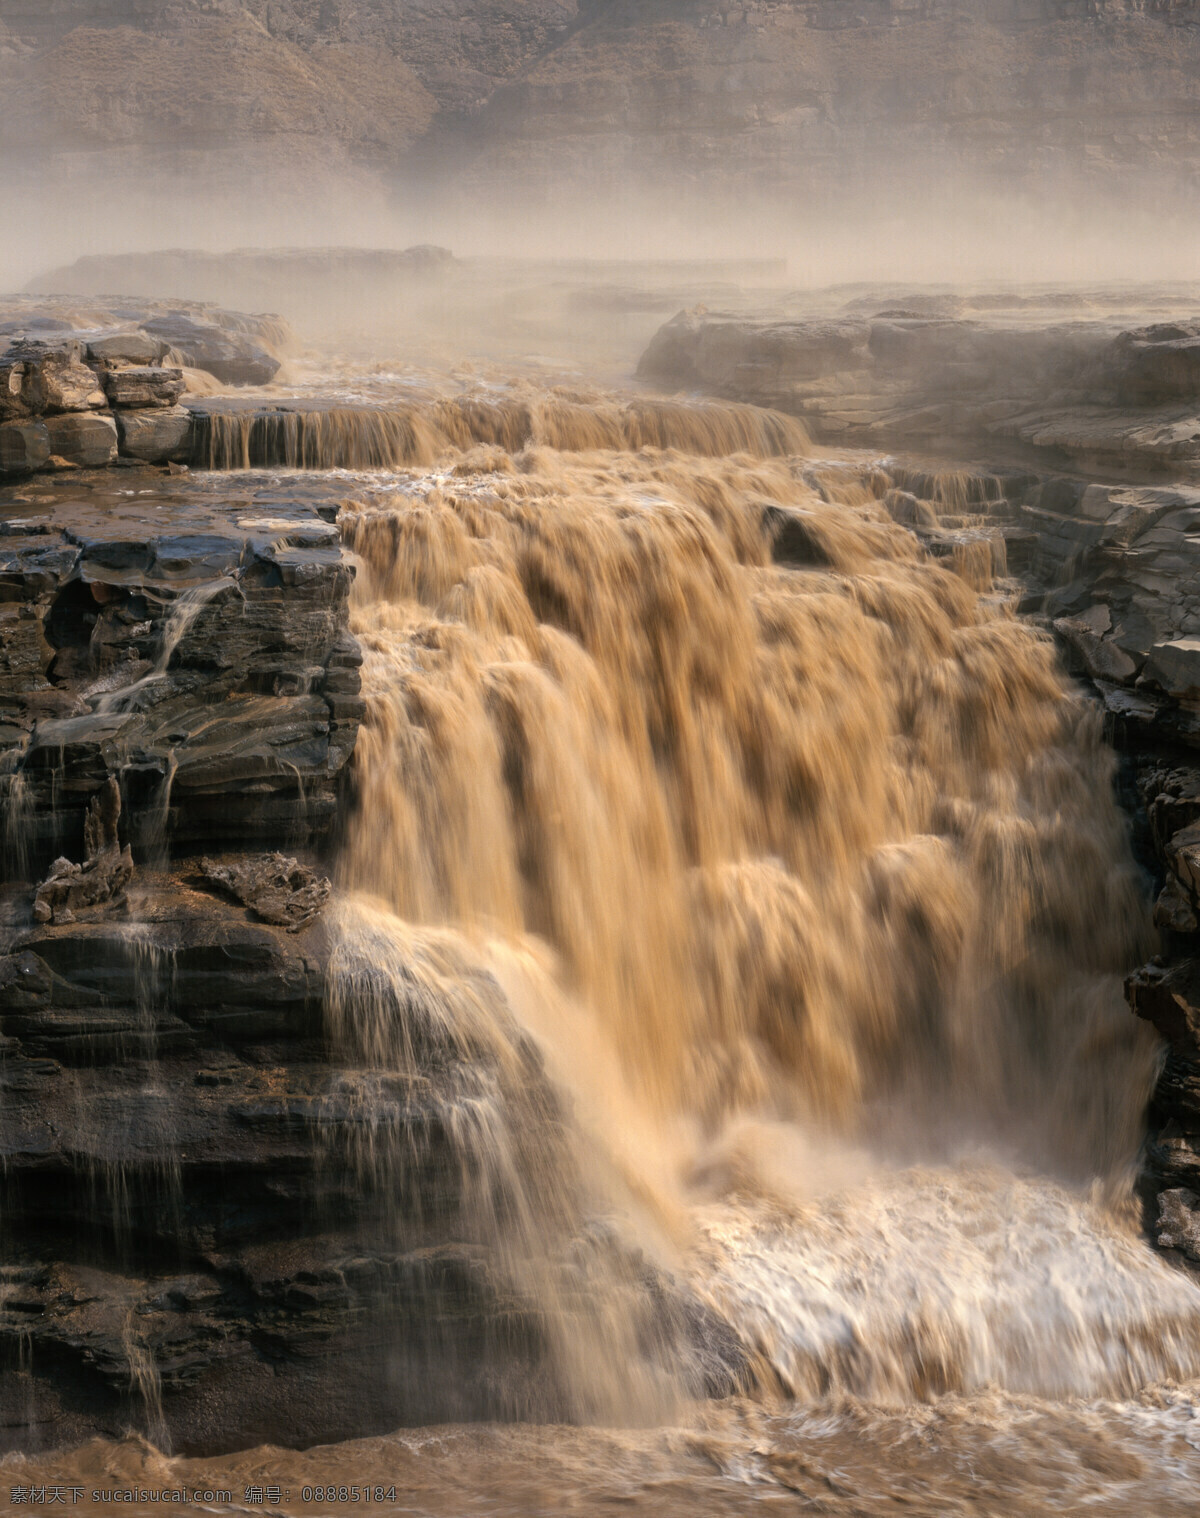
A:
86,439
24,446
1158,364
1174,908
52,377
275,887
1179,1221
71,889
133,347
1101,656
156,436
1175,667
142,387
1080,388
230,356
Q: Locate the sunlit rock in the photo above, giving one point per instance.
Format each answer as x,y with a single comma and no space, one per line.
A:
156,436
52,376
133,388
87,439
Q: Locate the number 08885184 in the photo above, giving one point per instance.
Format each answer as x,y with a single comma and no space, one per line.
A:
348,1494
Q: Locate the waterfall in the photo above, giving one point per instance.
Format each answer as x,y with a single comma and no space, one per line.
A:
378,437
806,885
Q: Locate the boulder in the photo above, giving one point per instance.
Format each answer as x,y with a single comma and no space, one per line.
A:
52,376
133,388
749,359
1157,365
1100,656
794,537
1182,854
134,347
230,356
277,888
904,507
85,439
1175,667
24,446
156,436
200,382
12,387
1173,909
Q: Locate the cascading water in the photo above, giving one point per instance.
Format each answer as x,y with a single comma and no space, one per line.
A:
389,437
806,884
724,1041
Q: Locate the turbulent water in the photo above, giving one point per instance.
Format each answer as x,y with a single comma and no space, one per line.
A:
758,883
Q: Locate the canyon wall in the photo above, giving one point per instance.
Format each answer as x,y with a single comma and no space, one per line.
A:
784,95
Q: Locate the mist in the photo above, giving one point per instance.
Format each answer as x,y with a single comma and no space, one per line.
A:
599,709
940,227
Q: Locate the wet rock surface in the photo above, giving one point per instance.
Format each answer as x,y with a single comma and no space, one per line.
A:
194,1241
167,1097
76,387
73,889
277,888
217,1226
179,1198
132,620
190,1242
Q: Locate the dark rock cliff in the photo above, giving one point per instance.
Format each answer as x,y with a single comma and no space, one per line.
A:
221,1223
159,1051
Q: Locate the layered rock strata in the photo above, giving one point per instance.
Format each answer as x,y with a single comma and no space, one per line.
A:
127,621
182,667
190,1245
1097,395
86,387
780,95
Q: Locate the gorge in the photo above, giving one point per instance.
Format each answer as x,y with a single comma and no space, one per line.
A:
600,758
629,901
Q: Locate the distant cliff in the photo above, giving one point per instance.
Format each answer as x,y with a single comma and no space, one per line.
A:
803,93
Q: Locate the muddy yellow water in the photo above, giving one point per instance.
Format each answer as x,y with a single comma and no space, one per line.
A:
793,854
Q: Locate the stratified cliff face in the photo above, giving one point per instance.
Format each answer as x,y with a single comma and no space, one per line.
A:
198,75
786,93
815,92
1097,392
